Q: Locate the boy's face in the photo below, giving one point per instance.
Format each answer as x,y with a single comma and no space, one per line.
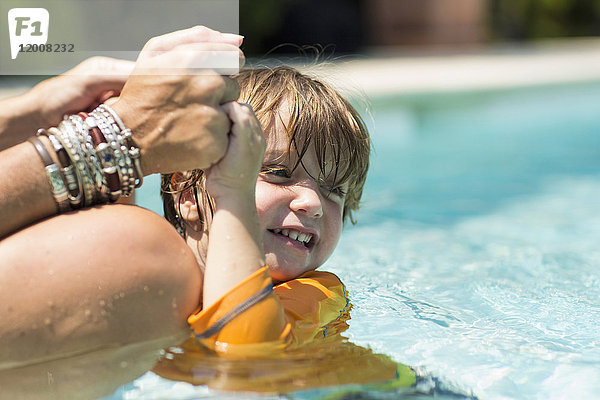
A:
301,215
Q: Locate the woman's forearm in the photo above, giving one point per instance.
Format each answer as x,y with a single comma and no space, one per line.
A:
20,118
235,249
25,194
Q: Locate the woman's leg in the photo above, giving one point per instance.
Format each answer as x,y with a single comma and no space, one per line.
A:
99,277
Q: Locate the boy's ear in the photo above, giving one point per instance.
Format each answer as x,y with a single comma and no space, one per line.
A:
189,208
185,200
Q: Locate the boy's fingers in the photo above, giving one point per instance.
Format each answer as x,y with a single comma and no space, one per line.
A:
195,34
238,112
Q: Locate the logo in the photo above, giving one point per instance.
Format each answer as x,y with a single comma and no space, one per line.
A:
27,26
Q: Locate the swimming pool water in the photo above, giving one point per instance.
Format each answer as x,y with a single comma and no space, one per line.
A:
476,259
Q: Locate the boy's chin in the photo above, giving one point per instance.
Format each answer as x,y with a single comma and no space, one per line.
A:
283,271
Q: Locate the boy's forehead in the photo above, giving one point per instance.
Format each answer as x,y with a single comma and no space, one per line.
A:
280,149
276,133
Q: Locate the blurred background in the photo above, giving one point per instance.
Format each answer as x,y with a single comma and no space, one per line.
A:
354,26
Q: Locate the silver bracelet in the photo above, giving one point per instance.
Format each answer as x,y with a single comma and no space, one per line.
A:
115,147
98,160
66,171
134,151
57,184
77,201
101,185
107,161
78,156
117,131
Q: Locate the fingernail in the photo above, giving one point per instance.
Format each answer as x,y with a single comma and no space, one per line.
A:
233,37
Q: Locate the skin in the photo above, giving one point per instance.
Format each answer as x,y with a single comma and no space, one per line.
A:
89,291
252,200
295,200
234,246
111,275
128,277
82,88
175,129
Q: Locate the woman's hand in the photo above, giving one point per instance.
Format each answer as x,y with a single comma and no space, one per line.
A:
238,169
173,107
82,88
79,89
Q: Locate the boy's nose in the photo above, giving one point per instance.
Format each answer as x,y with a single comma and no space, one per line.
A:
307,200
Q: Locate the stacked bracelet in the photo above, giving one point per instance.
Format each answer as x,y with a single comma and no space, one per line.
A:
98,161
59,190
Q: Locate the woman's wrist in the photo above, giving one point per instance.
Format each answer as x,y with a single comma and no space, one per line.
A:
135,123
21,119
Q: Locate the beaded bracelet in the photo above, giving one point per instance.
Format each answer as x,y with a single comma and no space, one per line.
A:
91,157
76,180
105,156
98,160
133,150
66,168
128,178
77,154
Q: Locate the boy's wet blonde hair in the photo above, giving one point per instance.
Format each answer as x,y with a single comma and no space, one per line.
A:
320,118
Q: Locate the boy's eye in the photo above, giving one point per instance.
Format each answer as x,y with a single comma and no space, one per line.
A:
276,171
337,190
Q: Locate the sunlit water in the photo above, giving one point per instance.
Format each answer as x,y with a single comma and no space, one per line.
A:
476,259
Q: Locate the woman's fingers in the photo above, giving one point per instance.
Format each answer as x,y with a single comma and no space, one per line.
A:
231,91
191,58
196,34
172,101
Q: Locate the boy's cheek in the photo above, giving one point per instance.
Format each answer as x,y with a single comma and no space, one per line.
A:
265,198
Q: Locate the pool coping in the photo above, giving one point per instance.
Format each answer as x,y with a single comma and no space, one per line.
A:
488,69
405,72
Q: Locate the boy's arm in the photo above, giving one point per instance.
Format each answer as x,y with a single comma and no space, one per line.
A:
235,249
235,280
235,245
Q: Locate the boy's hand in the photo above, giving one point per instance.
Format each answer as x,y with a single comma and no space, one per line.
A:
238,170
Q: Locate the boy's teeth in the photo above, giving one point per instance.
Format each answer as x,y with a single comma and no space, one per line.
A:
303,238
